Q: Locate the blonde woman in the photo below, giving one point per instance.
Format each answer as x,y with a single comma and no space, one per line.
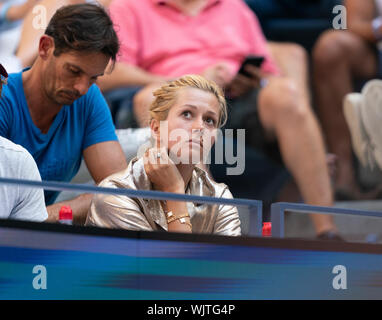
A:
192,105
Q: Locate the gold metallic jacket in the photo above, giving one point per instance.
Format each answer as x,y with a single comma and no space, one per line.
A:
122,212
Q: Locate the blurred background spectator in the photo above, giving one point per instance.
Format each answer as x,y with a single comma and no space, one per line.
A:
363,114
12,13
340,58
55,110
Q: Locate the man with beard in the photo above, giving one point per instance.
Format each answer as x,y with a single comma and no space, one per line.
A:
55,110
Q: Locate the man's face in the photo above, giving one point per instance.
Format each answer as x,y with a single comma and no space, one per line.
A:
70,75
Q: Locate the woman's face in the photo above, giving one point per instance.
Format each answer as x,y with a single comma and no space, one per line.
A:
192,122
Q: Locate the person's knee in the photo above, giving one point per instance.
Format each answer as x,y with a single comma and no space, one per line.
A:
141,98
287,54
145,97
141,103
332,47
280,91
295,52
280,102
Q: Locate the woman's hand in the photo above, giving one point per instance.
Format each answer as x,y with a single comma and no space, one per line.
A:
165,177
162,171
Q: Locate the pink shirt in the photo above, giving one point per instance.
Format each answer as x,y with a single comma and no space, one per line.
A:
159,38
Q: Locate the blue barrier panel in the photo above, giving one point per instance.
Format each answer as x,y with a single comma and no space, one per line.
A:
52,261
278,214
254,206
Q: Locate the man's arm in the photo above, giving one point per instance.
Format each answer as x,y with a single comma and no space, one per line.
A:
102,160
125,75
127,71
360,14
79,205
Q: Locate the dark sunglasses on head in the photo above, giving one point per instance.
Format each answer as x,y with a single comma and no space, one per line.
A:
3,74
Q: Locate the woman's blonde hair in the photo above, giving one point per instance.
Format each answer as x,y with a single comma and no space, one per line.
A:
165,96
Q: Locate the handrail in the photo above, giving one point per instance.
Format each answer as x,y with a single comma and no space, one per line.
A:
254,206
278,213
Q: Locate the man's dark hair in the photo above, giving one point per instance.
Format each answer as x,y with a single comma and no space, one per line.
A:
3,72
83,27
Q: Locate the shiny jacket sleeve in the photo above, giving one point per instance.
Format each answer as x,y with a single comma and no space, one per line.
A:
227,220
116,211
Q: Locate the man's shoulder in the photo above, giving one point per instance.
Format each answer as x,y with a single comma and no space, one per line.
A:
10,147
12,90
16,158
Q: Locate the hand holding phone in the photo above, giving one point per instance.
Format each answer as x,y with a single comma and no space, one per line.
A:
255,61
245,80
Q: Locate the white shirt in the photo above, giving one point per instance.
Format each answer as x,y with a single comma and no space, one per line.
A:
18,202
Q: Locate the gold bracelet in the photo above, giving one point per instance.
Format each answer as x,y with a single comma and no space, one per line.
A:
172,217
187,223
182,220
169,214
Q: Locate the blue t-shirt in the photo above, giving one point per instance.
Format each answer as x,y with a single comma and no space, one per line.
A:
58,153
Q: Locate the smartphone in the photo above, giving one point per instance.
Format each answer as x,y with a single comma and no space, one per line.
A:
256,61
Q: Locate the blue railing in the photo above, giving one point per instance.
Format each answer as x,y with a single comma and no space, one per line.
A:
278,214
254,206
